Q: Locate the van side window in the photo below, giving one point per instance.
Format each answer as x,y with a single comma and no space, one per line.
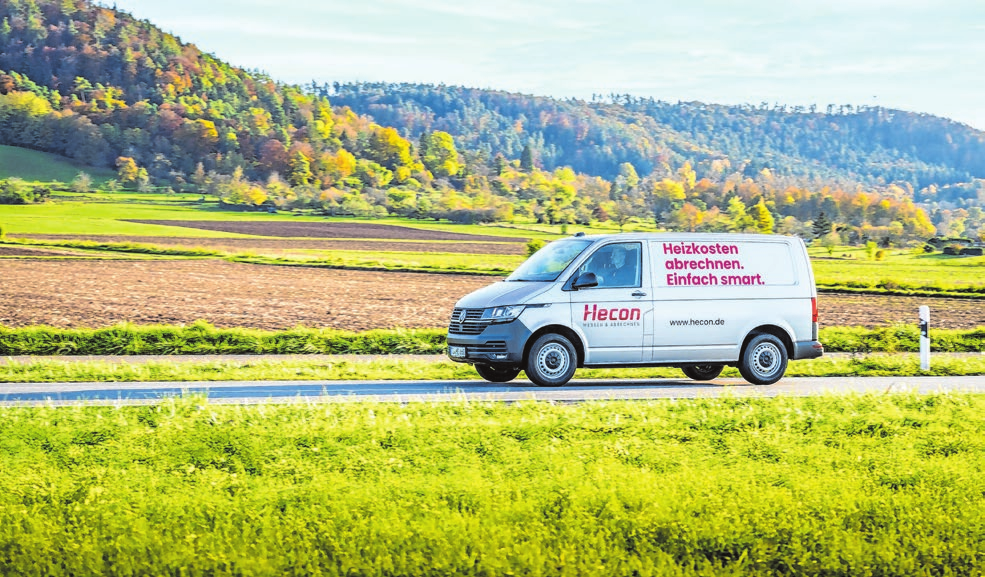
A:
616,265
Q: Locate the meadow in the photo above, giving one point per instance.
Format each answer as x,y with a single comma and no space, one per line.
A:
34,166
833,485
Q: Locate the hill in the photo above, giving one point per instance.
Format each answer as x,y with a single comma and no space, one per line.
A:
102,88
31,165
841,145
105,89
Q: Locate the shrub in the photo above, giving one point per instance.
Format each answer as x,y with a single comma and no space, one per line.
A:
82,182
534,245
3,232
972,251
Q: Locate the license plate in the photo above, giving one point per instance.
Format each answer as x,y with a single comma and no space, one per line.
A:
457,352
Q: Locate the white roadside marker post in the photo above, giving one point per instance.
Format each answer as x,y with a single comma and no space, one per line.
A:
924,338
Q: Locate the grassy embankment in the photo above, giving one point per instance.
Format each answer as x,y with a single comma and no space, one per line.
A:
854,485
201,338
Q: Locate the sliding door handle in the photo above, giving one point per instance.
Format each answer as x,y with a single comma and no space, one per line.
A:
639,294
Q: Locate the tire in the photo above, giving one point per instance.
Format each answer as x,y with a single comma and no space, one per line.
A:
702,372
764,360
497,373
552,361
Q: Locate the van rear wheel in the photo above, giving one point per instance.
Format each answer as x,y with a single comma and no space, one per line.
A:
497,374
764,360
702,372
552,361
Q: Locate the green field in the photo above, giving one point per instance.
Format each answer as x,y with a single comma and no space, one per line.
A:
104,214
841,486
35,166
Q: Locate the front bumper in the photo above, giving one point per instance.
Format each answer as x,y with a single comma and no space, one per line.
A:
498,344
807,350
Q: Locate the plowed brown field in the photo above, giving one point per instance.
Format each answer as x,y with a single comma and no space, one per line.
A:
78,293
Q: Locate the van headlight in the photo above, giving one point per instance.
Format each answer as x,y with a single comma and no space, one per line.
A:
502,314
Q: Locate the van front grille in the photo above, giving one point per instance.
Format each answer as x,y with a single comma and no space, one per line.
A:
470,325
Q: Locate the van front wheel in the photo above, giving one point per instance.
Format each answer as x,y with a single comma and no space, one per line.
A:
552,361
702,372
764,360
495,374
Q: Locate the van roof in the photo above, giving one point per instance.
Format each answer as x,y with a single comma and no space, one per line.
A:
685,236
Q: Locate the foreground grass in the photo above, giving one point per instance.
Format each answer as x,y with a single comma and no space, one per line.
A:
201,338
437,369
870,485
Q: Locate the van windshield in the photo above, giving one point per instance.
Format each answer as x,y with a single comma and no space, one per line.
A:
547,263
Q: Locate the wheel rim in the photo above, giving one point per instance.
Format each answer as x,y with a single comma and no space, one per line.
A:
766,359
552,360
704,369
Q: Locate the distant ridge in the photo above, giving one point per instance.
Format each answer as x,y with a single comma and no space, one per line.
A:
838,144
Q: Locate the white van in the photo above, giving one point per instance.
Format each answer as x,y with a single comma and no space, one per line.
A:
694,301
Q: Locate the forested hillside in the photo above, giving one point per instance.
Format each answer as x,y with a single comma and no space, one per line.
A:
837,145
100,87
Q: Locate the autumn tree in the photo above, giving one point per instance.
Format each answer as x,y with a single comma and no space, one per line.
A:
437,152
126,170
300,174
764,220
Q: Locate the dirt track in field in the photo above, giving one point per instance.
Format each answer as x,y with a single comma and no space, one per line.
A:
76,293
328,230
292,245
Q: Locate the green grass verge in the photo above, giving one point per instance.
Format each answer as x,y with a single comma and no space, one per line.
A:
35,166
901,365
201,338
833,485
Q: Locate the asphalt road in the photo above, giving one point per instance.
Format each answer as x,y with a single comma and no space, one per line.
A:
242,392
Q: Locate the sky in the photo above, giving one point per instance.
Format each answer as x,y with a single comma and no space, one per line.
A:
921,56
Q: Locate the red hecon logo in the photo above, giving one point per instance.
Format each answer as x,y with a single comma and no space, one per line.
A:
613,314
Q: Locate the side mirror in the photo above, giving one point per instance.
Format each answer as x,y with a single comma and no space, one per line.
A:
586,280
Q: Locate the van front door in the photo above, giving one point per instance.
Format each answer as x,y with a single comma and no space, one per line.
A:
614,316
